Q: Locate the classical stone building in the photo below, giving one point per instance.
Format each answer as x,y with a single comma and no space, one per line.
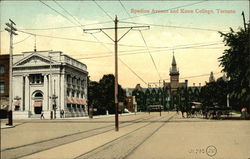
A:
48,82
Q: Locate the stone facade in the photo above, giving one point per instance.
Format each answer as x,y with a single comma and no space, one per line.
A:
40,75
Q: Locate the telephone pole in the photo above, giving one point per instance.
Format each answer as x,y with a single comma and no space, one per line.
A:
116,40
116,79
11,29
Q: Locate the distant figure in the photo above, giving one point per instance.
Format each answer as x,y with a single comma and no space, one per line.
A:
42,117
62,113
244,114
51,115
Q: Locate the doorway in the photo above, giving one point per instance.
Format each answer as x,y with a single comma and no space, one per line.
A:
38,102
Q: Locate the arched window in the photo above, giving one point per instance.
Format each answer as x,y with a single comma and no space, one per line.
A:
38,94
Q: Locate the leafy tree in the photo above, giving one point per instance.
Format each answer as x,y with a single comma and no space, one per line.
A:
215,92
235,62
101,95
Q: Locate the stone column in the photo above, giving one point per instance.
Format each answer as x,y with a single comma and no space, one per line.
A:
27,93
50,80
63,92
21,93
45,96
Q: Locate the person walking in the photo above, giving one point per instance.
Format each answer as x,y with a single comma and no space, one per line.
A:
42,115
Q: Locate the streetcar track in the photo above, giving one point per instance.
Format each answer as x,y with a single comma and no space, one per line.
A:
68,135
6,149
98,149
146,138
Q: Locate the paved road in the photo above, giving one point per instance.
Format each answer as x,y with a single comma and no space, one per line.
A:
140,136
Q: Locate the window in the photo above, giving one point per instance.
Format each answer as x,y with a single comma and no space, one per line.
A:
36,79
1,87
1,69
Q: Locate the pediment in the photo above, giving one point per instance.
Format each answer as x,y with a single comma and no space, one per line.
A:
34,60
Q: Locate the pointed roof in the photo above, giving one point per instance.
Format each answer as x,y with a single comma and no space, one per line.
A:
173,60
173,69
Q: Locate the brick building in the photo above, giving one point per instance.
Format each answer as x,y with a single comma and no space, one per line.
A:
4,84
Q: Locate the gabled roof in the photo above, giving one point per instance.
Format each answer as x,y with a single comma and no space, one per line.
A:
35,57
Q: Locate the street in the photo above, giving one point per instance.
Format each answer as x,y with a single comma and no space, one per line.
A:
140,136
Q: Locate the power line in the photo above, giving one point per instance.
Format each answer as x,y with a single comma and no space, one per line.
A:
103,10
68,13
130,52
198,75
62,38
57,12
143,52
124,8
150,55
171,26
133,71
72,39
120,60
22,40
188,77
143,40
67,27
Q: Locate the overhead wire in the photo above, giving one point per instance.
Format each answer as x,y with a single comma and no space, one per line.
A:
150,54
57,12
66,27
112,52
56,37
124,8
143,52
119,60
22,40
171,26
103,10
69,13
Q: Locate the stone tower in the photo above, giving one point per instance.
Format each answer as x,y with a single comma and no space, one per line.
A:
174,76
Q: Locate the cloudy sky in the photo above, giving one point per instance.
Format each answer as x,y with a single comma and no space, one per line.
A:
187,28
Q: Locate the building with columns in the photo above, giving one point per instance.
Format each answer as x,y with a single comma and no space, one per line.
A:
48,82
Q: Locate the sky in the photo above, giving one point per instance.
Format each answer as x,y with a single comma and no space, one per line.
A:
187,29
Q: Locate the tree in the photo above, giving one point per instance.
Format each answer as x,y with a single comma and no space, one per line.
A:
235,62
215,93
106,88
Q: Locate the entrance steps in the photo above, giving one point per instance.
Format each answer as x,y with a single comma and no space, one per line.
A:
35,116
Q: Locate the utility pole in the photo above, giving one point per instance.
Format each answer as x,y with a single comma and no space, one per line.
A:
50,90
116,79
116,61
244,20
11,29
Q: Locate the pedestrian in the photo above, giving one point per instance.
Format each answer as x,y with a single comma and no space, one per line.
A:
42,117
244,114
51,115
62,113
